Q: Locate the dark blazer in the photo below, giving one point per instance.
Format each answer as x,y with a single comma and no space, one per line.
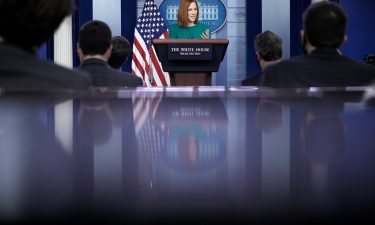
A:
253,80
105,76
22,70
324,67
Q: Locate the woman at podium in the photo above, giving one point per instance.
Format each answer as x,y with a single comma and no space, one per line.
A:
187,25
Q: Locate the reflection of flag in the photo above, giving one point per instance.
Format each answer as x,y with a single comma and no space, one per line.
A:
145,64
150,136
145,109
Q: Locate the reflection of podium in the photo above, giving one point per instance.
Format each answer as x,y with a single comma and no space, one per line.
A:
190,62
195,132
191,110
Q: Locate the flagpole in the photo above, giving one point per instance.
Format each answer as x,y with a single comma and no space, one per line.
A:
149,32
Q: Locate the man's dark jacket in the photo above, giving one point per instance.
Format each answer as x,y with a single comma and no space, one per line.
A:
253,80
105,76
20,69
324,67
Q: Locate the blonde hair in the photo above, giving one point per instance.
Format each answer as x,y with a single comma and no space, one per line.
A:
183,17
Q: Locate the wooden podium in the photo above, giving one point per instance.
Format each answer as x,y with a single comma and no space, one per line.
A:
190,62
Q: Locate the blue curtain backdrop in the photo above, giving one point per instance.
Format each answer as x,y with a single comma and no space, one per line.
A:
81,16
46,50
296,10
254,27
361,28
42,53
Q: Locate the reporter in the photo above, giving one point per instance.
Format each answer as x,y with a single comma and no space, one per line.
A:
19,66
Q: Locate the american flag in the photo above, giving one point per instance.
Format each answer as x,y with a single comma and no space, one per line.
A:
145,64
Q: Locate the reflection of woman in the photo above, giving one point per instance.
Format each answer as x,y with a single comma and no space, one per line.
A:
188,25
188,149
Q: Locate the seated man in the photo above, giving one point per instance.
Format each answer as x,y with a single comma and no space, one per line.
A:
269,50
19,66
94,49
324,26
120,52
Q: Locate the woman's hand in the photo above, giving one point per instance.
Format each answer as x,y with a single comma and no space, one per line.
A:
205,34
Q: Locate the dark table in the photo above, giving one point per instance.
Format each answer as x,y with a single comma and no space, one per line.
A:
187,156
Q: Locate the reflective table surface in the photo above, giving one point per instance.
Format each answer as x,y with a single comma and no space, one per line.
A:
187,156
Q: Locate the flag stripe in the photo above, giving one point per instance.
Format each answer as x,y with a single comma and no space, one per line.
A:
138,67
140,56
140,113
145,108
157,66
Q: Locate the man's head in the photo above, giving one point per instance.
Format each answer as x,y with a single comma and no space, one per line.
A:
120,52
37,19
324,25
94,39
268,47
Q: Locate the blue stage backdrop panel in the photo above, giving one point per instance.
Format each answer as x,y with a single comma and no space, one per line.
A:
235,66
254,27
128,22
276,18
296,9
82,15
361,32
109,12
46,50
42,53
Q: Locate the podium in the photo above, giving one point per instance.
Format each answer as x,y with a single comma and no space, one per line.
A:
190,62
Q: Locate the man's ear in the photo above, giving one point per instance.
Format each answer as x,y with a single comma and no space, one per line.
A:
108,52
302,34
79,52
345,39
257,55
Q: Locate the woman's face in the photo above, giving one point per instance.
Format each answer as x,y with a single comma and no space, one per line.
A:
192,12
